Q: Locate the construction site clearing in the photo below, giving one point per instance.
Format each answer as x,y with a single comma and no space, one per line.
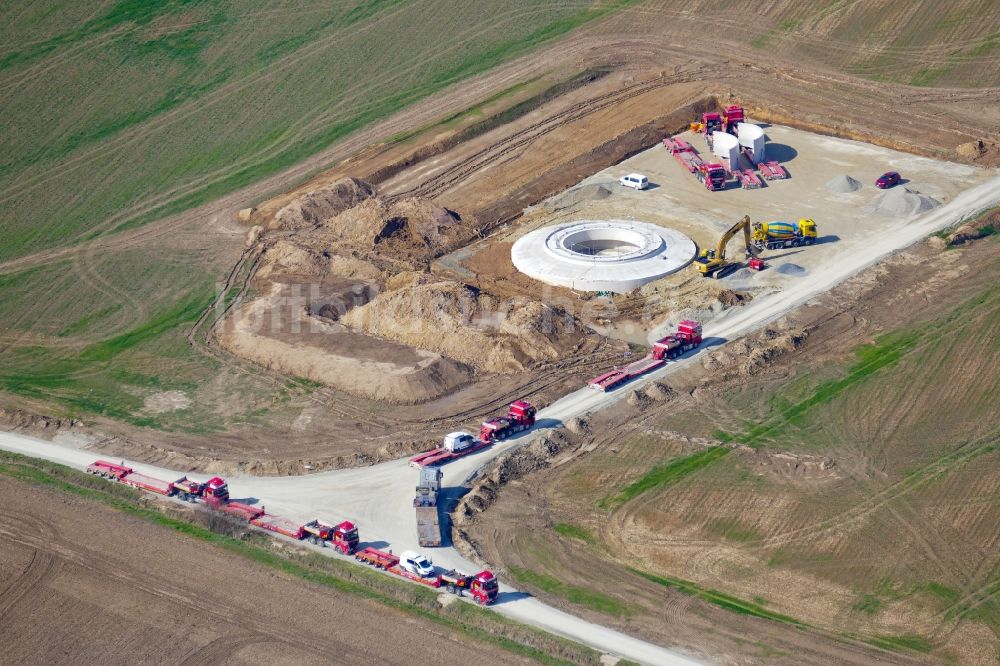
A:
397,299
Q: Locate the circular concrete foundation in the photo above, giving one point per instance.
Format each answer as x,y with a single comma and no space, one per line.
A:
602,255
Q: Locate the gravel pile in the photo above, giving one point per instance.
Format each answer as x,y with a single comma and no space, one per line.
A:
843,184
578,195
791,269
902,201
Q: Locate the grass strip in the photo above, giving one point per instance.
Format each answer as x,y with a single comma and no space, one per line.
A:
595,601
665,475
479,624
720,599
572,531
901,642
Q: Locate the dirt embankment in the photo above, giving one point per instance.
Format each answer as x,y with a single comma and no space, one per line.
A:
397,334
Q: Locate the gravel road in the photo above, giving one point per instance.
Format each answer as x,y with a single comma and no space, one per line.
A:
379,498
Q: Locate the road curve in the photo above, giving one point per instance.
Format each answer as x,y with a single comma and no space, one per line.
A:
379,497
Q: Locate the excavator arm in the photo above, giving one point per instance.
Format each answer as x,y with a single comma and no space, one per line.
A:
742,225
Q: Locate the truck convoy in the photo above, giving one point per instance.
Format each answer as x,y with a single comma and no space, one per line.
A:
686,338
215,493
777,235
425,503
482,587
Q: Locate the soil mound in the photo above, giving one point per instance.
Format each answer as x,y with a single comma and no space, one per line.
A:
791,269
409,226
843,184
462,323
902,201
578,195
314,208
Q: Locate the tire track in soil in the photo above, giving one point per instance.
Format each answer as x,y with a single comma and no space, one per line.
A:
222,649
25,531
43,564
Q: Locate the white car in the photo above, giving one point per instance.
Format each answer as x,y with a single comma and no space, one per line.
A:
458,441
416,563
636,180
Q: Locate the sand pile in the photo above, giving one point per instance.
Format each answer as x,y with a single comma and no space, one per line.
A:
843,184
578,195
462,323
902,201
316,207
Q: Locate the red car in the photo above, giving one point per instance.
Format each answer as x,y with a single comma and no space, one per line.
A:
887,180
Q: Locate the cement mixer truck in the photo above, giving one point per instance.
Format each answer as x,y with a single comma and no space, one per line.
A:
776,235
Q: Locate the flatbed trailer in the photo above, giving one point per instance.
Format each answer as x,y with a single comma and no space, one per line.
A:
379,559
240,510
684,152
748,179
108,470
152,484
429,581
279,524
772,170
441,455
614,378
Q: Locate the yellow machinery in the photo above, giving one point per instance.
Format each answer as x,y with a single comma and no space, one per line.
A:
777,235
713,263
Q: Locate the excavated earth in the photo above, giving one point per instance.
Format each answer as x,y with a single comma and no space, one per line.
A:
386,280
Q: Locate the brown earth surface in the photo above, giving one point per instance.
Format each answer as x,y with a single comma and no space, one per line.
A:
84,584
655,78
876,517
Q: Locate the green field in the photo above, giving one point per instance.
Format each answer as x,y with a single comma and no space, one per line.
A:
115,114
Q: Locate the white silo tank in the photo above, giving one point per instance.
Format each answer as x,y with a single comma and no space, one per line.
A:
751,138
726,147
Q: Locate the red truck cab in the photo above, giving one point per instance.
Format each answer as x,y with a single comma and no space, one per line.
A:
344,538
520,416
484,588
687,337
216,490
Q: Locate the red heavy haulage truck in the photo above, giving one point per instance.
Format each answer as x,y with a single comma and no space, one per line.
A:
215,493
687,337
520,416
482,587
215,489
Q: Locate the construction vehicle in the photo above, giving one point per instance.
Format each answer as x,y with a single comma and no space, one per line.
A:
713,262
215,489
732,116
482,587
777,235
455,445
687,337
425,503
520,416
713,176
344,537
710,122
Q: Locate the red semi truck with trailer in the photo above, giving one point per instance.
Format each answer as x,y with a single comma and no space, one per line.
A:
482,587
687,337
215,489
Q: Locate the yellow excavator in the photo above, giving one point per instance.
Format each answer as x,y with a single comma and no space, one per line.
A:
713,263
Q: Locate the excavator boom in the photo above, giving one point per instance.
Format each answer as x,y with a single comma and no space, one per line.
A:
713,263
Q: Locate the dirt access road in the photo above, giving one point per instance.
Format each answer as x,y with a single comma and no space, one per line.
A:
143,594
379,497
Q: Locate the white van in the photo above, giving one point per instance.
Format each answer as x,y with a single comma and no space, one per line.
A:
636,180
458,441
416,563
